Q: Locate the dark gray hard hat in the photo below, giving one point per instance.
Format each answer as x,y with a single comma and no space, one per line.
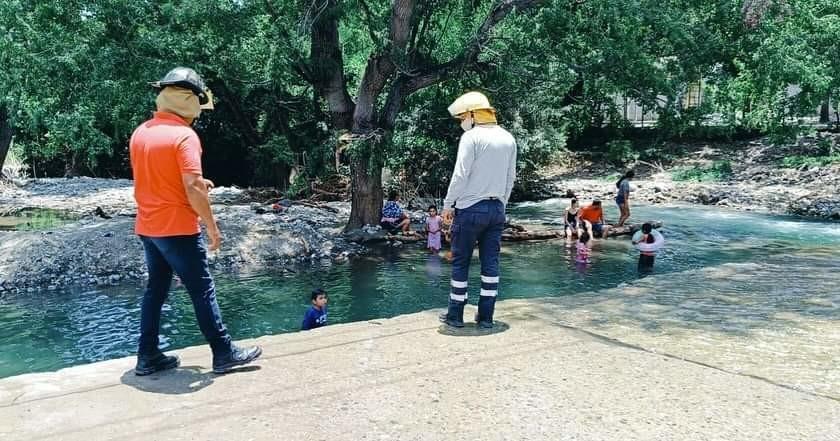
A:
186,78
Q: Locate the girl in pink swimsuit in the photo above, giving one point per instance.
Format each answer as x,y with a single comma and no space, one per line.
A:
582,255
433,227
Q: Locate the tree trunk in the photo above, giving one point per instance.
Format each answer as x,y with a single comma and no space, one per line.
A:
365,119
6,132
366,184
824,114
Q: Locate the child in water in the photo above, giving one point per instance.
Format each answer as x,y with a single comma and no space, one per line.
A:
648,241
434,223
316,315
582,255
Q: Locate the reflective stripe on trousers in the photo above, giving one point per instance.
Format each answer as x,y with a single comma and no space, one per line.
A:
482,223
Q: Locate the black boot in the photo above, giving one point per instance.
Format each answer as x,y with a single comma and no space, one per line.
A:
236,357
149,364
486,308
455,314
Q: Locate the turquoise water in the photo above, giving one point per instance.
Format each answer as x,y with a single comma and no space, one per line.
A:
746,292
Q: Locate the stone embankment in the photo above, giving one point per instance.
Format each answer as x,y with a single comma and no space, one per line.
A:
93,250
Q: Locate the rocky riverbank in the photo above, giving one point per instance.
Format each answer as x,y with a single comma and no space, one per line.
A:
97,251
754,180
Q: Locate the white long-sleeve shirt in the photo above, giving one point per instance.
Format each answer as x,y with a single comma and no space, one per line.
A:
485,168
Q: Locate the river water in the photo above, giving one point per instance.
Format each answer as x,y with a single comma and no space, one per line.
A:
748,293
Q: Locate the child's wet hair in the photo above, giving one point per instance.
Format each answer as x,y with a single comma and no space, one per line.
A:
647,228
432,207
584,237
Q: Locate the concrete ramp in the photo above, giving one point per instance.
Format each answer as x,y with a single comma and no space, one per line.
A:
402,379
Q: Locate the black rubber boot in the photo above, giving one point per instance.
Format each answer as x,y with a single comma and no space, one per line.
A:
149,364
486,308
455,314
236,357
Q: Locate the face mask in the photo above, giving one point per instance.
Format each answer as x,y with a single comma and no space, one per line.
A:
467,124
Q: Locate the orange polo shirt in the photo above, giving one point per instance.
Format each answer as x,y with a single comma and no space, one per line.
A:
591,213
162,149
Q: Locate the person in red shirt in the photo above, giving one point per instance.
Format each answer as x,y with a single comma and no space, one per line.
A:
591,218
172,196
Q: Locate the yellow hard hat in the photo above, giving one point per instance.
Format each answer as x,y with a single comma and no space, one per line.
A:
469,102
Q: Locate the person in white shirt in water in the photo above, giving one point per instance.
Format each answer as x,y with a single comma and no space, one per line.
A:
478,193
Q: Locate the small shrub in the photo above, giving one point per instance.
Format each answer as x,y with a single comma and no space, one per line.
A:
718,171
782,135
14,168
621,151
299,188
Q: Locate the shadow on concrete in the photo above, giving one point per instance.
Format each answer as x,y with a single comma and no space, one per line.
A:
179,381
472,330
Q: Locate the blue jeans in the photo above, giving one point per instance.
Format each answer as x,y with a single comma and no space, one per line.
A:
482,222
187,257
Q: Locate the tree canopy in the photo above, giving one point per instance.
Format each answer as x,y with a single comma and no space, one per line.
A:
297,80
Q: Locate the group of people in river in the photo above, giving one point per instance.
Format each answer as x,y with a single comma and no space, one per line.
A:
584,223
587,223
173,196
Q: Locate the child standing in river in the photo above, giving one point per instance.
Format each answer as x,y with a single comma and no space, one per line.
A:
583,250
434,224
648,241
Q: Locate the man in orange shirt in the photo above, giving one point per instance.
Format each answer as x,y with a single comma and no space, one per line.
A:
591,217
171,196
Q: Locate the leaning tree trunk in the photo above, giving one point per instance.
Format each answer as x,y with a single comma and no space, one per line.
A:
6,132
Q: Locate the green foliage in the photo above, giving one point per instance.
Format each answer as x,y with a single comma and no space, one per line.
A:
798,161
717,171
75,76
621,152
298,188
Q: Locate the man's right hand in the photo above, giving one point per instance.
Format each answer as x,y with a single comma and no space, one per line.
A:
448,215
214,236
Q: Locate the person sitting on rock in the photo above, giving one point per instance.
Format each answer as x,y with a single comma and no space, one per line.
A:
570,219
591,218
316,315
393,217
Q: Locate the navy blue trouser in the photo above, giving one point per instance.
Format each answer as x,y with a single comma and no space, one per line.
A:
187,257
482,222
